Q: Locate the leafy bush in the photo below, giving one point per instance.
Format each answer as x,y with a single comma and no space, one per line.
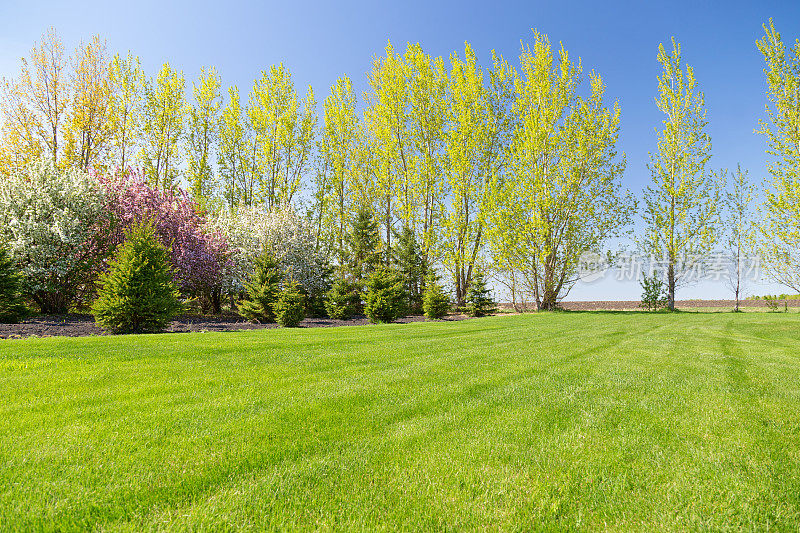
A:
772,303
138,293
263,290
198,253
654,294
12,304
48,220
385,300
479,301
343,300
435,302
775,296
290,307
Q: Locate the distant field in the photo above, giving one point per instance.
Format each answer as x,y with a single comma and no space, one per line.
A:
551,421
686,305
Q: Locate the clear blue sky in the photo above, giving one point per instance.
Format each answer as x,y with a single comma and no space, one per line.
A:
320,41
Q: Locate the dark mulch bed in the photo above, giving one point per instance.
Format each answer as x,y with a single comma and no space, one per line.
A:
79,325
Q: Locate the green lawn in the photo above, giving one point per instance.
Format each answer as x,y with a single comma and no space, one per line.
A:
551,421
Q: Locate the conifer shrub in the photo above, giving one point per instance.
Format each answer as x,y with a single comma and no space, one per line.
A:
138,293
407,259
479,300
385,299
343,300
12,303
435,302
263,290
290,307
361,255
314,299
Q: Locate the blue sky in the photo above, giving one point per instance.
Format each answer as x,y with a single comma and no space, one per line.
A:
319,41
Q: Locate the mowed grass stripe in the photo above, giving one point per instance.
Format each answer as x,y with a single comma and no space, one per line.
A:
618,420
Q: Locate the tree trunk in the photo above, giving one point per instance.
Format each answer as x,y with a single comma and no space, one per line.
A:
216,300
549,300
52,303
738,277
461,289
671,285
232,299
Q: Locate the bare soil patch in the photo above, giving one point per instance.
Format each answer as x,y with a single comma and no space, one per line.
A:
611,305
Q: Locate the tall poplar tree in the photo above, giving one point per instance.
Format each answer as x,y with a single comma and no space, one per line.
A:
90,124
740,235
283,126
163,121
201,135
235,153
561,196
682,203
337,145
127,81
35,105
385,118
478,126
780,218
426,92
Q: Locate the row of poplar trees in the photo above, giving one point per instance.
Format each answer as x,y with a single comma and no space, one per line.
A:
512,165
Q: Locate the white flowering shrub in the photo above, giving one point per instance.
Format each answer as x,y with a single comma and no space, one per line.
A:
288,237
47,217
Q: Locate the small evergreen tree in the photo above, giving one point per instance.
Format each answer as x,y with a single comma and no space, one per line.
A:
408,261
654,294
263,290
290,307
479,300
436,303
138,293
12,304
386,298
315,299
362,256
343,300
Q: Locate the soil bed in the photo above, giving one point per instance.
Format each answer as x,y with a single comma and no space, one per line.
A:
79,325
608,305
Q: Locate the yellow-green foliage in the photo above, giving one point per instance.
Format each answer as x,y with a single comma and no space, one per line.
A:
202,135
682,203
780,226
163,118
562,195
283,132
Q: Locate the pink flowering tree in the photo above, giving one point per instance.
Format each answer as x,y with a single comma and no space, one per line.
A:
199,255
